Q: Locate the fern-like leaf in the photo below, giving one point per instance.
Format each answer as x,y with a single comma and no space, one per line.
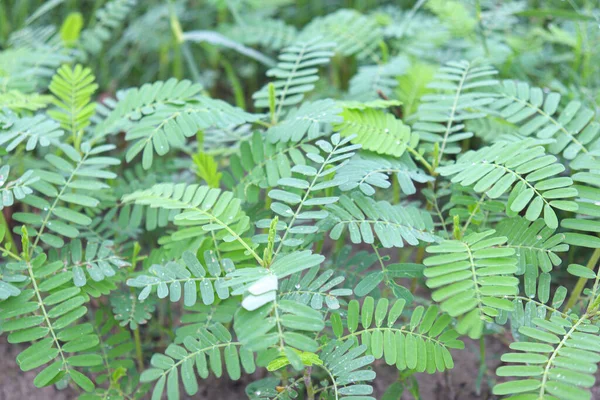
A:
421,345
441,116
314,290
536,248
344,364
200,210
558,362
17,189
377,131
72,180
373,81
33,131
293,327
133,104
295,73
368,171
257,31
352,32
302,192
538,187
367,219
305,122
536,112
108,18
181,364
129,310
73,89
97,260
46,312
189,275
261,165
17,101
471,277
171,125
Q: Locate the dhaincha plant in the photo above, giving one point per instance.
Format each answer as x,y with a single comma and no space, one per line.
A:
300,195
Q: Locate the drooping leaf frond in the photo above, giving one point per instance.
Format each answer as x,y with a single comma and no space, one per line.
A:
367,219
198,356
189,277
369,171
33,131
47,312
201,210
536,248
171,125
494,170
16,189
113,353
305,121
344,364
471,277
421,345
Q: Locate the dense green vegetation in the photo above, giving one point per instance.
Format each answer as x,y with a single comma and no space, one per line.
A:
309,189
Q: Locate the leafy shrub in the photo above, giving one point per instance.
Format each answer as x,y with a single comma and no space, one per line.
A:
317,195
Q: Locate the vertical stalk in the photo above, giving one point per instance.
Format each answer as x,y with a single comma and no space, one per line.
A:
138,349
481,30
310,391
136,332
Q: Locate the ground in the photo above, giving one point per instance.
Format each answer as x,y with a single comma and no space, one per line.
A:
457,384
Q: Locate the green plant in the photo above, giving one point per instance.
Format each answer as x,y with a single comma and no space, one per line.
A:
398,184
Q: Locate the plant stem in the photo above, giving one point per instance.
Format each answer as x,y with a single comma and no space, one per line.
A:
138,349
310,391
582,281
481,28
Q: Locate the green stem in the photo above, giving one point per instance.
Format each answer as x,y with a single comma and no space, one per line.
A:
310,390
138,349
481,29
236,85
420,158
582,281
